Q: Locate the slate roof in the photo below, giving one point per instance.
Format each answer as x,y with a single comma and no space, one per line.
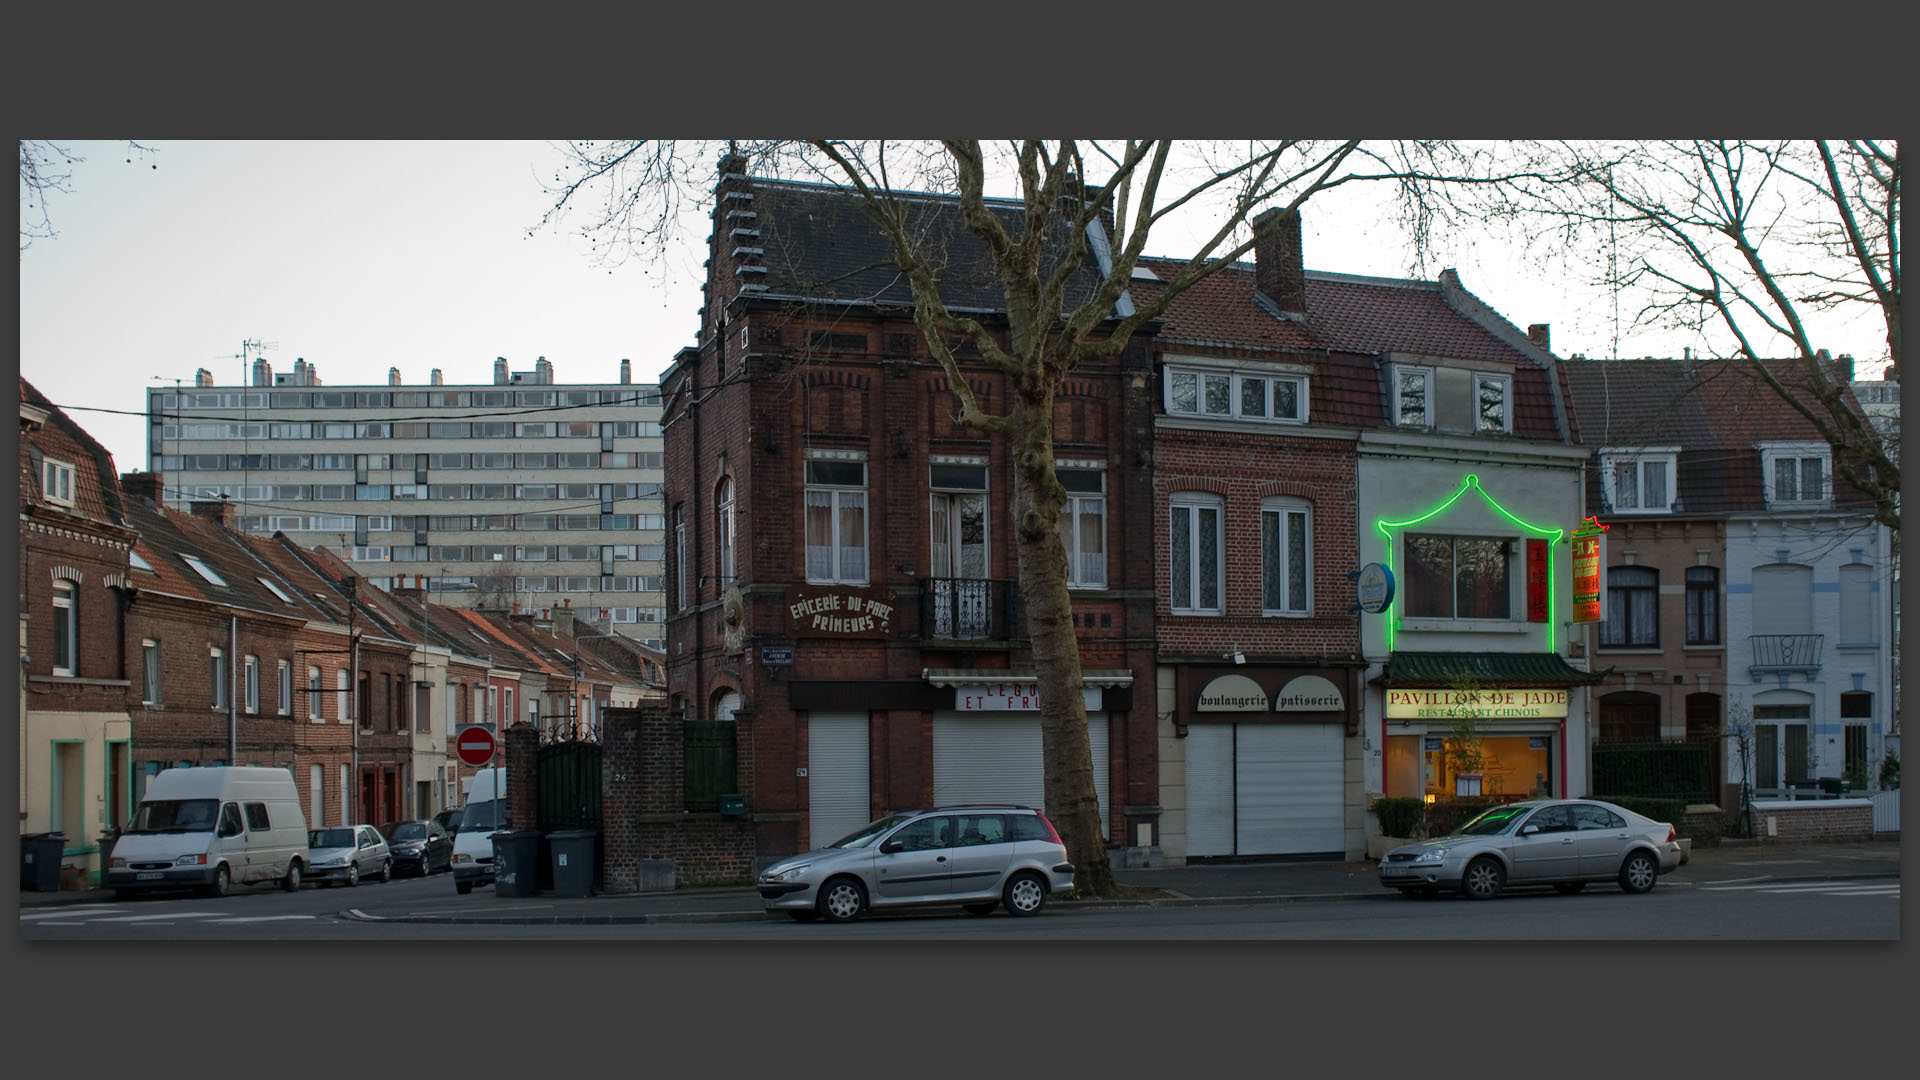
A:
820,245
1713,410
168,535
1433,670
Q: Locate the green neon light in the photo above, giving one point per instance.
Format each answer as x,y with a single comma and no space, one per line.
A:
1472,482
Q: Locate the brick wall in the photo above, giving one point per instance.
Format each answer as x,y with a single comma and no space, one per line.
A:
641,818
1813,822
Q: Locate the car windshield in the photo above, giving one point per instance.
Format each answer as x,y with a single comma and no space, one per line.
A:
411,830
175,815
486,814
869,832
326,838
1493,822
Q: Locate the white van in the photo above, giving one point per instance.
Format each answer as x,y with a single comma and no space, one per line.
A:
484,814
212,827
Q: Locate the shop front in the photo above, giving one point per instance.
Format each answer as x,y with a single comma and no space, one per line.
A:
1266,750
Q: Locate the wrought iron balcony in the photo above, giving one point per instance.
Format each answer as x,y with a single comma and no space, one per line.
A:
1786,653
967,609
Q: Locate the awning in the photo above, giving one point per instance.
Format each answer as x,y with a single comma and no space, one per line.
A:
1003,676
1444,669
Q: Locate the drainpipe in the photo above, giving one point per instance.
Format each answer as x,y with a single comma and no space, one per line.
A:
353,692
233,686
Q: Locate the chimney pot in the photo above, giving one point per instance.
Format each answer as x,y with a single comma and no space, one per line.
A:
393,376
438,380
1279,268
1540,333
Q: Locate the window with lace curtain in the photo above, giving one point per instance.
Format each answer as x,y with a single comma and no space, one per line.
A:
836,521
1633,608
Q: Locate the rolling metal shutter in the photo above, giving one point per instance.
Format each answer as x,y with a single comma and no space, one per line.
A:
1210,789
1289,782
837,788
996,758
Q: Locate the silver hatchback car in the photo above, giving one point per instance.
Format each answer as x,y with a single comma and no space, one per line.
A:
978,857
347,853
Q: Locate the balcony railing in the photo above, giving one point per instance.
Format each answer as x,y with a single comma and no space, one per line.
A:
1786,653
967,609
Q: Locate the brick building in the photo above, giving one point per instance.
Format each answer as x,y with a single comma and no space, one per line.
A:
75,734
845,635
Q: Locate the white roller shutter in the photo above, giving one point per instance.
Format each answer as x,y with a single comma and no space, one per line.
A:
1209,789
997,758
1289,782
837,788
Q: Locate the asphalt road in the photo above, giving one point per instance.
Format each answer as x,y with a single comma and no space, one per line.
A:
1836,910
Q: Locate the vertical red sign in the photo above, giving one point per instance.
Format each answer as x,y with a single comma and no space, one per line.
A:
1538,586
1589,570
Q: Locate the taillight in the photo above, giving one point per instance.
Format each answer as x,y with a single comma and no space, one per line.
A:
1053,834
1671,835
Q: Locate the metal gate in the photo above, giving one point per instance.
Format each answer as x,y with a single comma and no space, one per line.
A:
568,776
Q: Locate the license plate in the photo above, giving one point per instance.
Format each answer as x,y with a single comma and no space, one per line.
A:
1395,871
148,877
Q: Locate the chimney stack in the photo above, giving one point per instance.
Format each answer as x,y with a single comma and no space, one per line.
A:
220,510
563,621
262,372
203,377
626,372
1279,270
393,376
1539,333
438,379
543,372
145,485
300,371
500,371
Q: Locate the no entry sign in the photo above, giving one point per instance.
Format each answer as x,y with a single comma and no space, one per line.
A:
474,746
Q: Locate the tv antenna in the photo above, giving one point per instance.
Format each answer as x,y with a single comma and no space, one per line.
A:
250,350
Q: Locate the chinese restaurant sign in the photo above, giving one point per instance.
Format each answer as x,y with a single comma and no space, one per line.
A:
1538,585
840,611
1589,570
1445,704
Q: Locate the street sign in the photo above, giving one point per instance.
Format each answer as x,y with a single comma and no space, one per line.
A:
474,746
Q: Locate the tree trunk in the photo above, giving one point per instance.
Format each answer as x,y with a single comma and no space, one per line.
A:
1071,802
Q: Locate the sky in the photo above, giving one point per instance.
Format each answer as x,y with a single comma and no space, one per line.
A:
363,256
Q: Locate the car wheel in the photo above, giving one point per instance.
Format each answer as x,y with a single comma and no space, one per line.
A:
980,909
386,871
353,874
221,883
1568,888
803,914
1639,872
1026,894
291,882
1484,879
842,900
463,887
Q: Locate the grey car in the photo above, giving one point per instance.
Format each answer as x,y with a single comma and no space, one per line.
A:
347,853
1566,843
977,857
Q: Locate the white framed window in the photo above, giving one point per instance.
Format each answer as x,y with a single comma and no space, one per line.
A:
1638,481
66,627
1286,557
217,674
1796,474
479,714
56,481
1236,394
149,671
723,529
1083,525
342,696
1196,553
681,571
284,669
204,570
453,705
957,525
313,693
1452,400
251,669
836,508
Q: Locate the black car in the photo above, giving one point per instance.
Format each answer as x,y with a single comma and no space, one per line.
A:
419,847
450,819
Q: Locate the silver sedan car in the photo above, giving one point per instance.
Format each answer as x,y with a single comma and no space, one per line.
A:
1566,843
347,853
978,857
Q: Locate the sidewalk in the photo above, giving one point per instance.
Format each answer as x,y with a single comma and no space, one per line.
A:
1210,883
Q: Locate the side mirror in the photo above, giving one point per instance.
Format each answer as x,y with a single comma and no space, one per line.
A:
892,846
1529,830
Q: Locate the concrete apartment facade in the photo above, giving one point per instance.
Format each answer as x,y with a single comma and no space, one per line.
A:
518,491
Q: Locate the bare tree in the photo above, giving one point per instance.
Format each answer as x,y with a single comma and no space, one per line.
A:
634,195
1736,242
46,168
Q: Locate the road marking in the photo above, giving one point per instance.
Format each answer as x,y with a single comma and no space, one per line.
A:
67,912
168,915
262,918
1818,888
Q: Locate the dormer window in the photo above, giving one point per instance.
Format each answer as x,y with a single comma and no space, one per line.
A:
1236,394
1796,474
1450,400
56,481
1638,480
204,570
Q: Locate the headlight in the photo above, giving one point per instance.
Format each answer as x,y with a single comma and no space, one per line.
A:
789,874
1436,855
190,860
116,863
